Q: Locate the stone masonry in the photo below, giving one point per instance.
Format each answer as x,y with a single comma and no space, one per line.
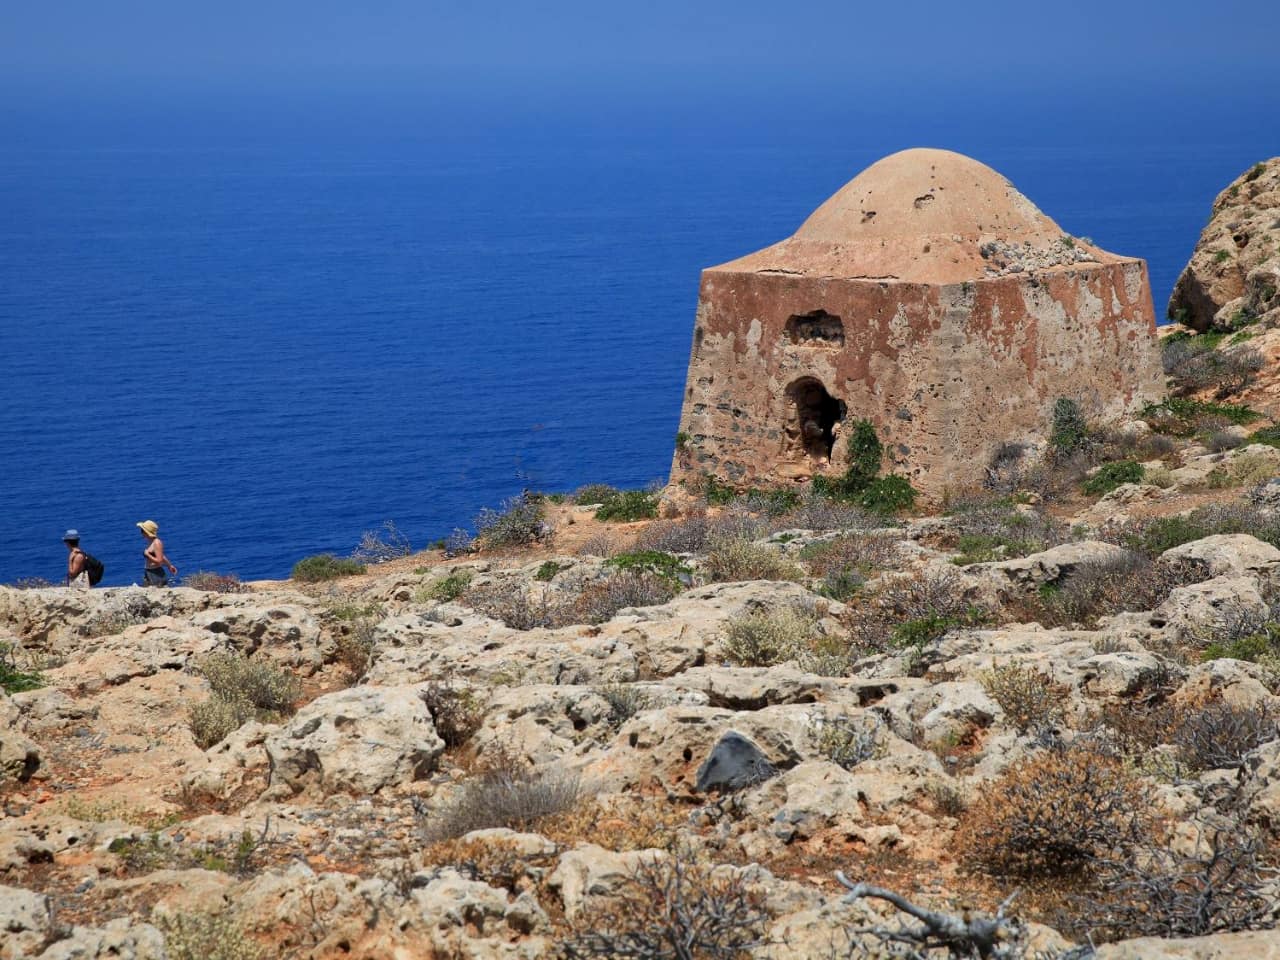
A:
929,297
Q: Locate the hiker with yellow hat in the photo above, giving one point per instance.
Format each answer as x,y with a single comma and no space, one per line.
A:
155,561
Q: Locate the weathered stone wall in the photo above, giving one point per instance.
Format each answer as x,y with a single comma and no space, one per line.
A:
945,372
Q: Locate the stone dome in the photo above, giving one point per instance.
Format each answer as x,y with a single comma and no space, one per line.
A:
924,216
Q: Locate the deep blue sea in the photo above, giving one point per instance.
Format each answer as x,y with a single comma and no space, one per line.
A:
271,336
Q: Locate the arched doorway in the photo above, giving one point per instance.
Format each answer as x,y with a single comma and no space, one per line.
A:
815,414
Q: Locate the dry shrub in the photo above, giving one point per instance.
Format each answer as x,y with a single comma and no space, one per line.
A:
909,612
625,701
215,582
512,604
264,685
496,861
1030,701
215,719
505,792
594,601
600,600
241,689
822,513
353,648
849,741
687,535
1152,536
1208,734
985,528
600,545
1222,885
1053,813
456,712
1219,735
763,638
1103,588
520,521
846,561
1245,470
673,907
206,936
733,560
630,823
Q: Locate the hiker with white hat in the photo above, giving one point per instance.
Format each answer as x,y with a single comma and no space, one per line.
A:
155,561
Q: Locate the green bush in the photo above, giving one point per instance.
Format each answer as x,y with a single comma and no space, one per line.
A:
887,495
625,506
717,494
1112,475
445,589
1179,416
1069,432
1268,435
325,566
651,561
594,493
866,455
547,571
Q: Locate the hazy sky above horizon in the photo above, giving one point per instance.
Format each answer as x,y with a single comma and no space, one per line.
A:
982,51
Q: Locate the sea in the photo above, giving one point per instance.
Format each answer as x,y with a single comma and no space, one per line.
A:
271,329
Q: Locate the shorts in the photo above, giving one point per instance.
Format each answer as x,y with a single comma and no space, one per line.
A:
154,576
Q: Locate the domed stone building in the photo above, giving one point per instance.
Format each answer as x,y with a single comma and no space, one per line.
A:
928,296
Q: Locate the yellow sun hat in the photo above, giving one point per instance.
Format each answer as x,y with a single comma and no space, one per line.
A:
149,527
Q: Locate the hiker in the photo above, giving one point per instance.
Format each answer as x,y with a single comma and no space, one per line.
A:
155,561
77,572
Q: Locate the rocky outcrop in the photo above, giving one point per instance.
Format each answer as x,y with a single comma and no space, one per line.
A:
1233,277
613,750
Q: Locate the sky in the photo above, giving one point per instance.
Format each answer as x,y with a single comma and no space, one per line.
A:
982,55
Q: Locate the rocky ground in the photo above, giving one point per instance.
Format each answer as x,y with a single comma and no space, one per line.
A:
576,746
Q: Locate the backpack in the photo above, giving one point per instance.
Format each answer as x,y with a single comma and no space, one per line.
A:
95,569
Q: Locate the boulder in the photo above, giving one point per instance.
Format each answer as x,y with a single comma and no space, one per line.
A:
1230,555
1048,566
1201,609
19,757
591,871
358,740
734,762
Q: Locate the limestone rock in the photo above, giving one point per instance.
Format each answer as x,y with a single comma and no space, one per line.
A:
1198,608
119,939
591,871
19,757
357,740
1234,270
1249,945
24,922
1048,566
1230,554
